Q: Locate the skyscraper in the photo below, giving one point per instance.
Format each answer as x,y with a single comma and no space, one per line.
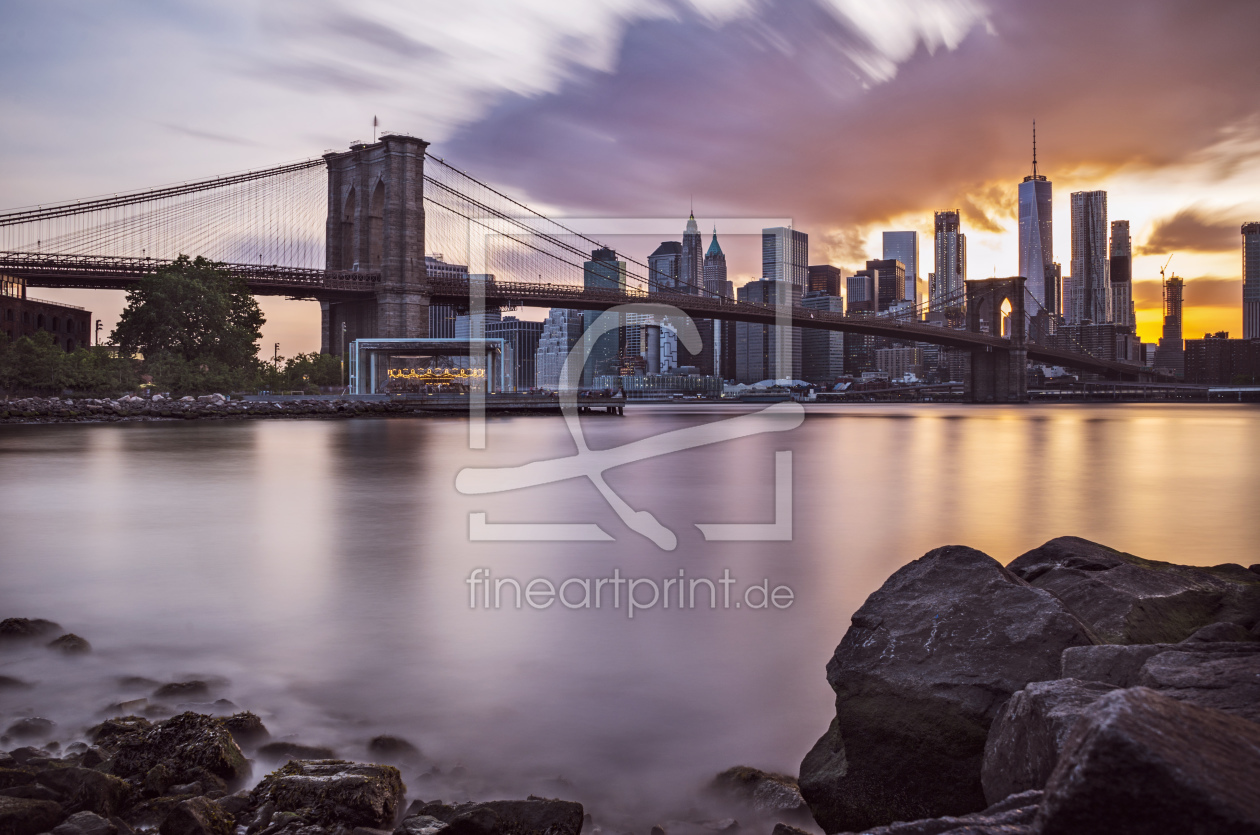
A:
824,278
946,290
690,267
904,247
1171,352
560,333
785,256
1091,289
602,272
665,267
760,354
1120,269
1251,280
1036,241
523,337
715,283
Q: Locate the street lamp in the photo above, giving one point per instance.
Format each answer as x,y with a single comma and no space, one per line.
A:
342,355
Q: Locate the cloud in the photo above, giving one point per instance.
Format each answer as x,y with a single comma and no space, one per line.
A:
195,133
1203,291
1197,229
784,111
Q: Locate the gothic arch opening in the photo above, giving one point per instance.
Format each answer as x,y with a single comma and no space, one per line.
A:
1006,309
349,257
376,226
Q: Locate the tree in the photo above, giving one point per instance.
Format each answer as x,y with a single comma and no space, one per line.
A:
192,311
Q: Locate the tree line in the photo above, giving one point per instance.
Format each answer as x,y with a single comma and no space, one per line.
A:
189,329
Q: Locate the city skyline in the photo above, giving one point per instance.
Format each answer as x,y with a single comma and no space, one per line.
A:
521,96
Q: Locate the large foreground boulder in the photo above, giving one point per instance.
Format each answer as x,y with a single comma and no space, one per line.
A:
1140,762
1029,733
1129,600
534,816
186,748
328,792
23,816
919,677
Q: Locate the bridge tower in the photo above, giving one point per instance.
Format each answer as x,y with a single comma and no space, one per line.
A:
376,225
997,375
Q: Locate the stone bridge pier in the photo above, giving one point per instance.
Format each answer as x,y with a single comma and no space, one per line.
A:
376,225
997,375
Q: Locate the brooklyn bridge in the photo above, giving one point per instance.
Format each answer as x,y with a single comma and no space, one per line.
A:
351,230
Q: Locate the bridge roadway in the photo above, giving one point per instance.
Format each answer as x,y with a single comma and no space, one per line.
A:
120,273
706,307
103,272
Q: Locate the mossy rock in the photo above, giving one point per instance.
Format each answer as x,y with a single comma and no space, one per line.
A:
188,745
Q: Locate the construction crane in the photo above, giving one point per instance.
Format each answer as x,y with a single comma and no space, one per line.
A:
1166,263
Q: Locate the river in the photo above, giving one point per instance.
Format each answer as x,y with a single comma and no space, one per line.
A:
317,571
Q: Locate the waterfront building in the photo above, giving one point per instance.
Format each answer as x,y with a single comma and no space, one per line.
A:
1120,271
822,351
21,315
904,247
560,332
523,339
785,256
764,352
946,289
1217,360
1251,280
1091,289
1036,239
715,282
900,361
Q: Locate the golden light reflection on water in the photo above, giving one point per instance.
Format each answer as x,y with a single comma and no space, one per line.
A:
321,565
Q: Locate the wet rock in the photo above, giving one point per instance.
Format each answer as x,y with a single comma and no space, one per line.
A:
420,825
1140,762
84,789
136,683
325,792
91,758
219,707
10,777
392,749
20,816
533,816
699,827
85,823
282,752
247,729
26,629
1228,682
787,829
1220,632
70,644
10,683
1011,816
1129,600
197,816
190,746
1029,733
919,677
761,791
33,792
182,690
1122,665
31,728
26,755
235,804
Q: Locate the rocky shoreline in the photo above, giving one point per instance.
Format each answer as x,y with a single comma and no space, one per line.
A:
1076,690
205,407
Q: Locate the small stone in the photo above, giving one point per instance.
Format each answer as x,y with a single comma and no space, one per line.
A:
392,749
182,690
246,728
70,644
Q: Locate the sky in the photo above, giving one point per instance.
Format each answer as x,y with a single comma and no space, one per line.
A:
848,117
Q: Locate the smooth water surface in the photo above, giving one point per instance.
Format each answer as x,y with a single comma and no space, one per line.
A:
317,570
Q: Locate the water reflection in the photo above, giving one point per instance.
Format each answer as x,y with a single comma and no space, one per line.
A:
320,566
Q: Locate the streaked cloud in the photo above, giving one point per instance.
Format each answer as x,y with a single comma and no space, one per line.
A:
1198,229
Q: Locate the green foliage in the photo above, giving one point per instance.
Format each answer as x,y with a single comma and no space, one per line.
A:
35,363
305,372
193,311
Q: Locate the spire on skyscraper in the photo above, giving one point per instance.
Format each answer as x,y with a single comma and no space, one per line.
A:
692,228
714,248
1034,148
